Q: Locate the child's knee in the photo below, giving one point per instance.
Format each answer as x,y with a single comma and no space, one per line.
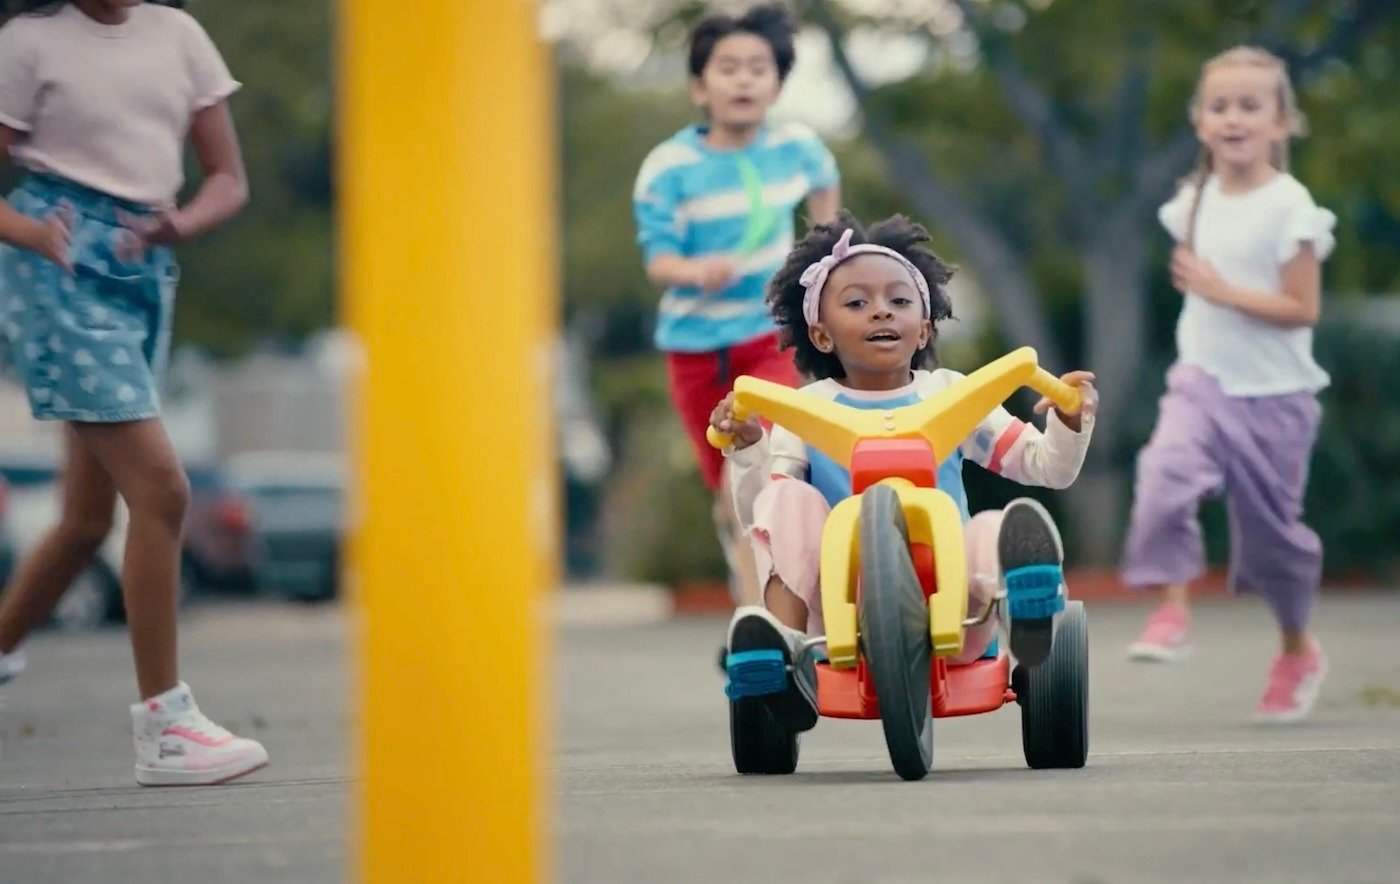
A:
788,519
164,496
1278,557
980,543
794,489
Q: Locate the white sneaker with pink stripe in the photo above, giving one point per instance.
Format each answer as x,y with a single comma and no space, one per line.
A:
176,745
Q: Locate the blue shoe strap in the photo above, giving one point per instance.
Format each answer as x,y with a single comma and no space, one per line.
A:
755,673
1033,592
741,657
1035,577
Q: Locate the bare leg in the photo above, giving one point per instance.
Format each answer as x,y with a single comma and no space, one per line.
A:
143,466
89,499
1296,642
785,604
738,552
1179,594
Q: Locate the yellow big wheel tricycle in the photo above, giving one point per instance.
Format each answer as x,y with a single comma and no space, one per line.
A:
894,584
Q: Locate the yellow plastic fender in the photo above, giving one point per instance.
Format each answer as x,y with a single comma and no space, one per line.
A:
840,569
933,519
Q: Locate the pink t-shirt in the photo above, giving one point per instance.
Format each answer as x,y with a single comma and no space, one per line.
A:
109,106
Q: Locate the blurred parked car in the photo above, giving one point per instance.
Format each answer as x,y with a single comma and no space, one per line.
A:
297,501
584,455
31,508
220,549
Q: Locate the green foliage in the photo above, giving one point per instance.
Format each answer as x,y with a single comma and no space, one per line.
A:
271,271
1354,493
606,134
1078,54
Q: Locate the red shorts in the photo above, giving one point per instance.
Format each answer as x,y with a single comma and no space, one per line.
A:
700,380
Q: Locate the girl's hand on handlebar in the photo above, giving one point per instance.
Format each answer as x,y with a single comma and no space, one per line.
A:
744,433
1088,400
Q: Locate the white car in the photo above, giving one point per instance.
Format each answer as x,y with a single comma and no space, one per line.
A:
32,507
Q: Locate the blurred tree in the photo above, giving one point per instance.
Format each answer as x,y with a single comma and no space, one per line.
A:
1111,82
270,273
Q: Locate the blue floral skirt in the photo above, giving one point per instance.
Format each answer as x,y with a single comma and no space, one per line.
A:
90,345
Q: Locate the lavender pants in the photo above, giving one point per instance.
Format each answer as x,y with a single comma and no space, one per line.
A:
1254,450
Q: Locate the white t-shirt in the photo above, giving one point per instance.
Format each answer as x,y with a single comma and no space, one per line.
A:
109,106
1248,237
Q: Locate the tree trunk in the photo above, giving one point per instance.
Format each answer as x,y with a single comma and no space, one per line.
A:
1115,318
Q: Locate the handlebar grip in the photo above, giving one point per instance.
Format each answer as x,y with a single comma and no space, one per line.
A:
1065,397
719,438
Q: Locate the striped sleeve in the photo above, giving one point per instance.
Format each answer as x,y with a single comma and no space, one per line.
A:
816,160
1013,448
992,441
656,198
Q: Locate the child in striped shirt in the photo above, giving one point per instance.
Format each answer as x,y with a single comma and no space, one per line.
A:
714,206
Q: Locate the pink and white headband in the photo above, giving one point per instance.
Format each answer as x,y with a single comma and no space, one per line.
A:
814,277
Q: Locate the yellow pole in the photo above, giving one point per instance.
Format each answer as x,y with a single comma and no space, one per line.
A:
447,188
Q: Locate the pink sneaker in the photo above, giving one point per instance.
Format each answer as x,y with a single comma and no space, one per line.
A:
177,745
1164,638
1294,682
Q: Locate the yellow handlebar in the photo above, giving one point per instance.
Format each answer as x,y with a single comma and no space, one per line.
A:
1065,397
721,440
718,438
944,419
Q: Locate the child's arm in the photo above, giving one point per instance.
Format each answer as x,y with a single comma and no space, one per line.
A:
712,273
756,456
654,202
824,197
224,190
19,92
1024,454
822,205
48,237
1299,304
221,195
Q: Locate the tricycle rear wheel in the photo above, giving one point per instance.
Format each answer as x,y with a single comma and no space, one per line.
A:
894,631
1054,697
759,744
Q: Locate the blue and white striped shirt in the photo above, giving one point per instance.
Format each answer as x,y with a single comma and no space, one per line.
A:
693,200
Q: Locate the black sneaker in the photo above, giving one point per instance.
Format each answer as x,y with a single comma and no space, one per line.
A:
760,663
1032,567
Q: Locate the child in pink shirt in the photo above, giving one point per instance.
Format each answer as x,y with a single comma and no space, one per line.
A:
97,98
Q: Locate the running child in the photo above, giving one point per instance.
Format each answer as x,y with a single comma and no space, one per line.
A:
97,98
714,207
1240,414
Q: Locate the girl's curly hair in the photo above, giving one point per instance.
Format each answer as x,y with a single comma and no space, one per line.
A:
785,291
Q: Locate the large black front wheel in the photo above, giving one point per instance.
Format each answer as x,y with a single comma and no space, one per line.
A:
894,631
